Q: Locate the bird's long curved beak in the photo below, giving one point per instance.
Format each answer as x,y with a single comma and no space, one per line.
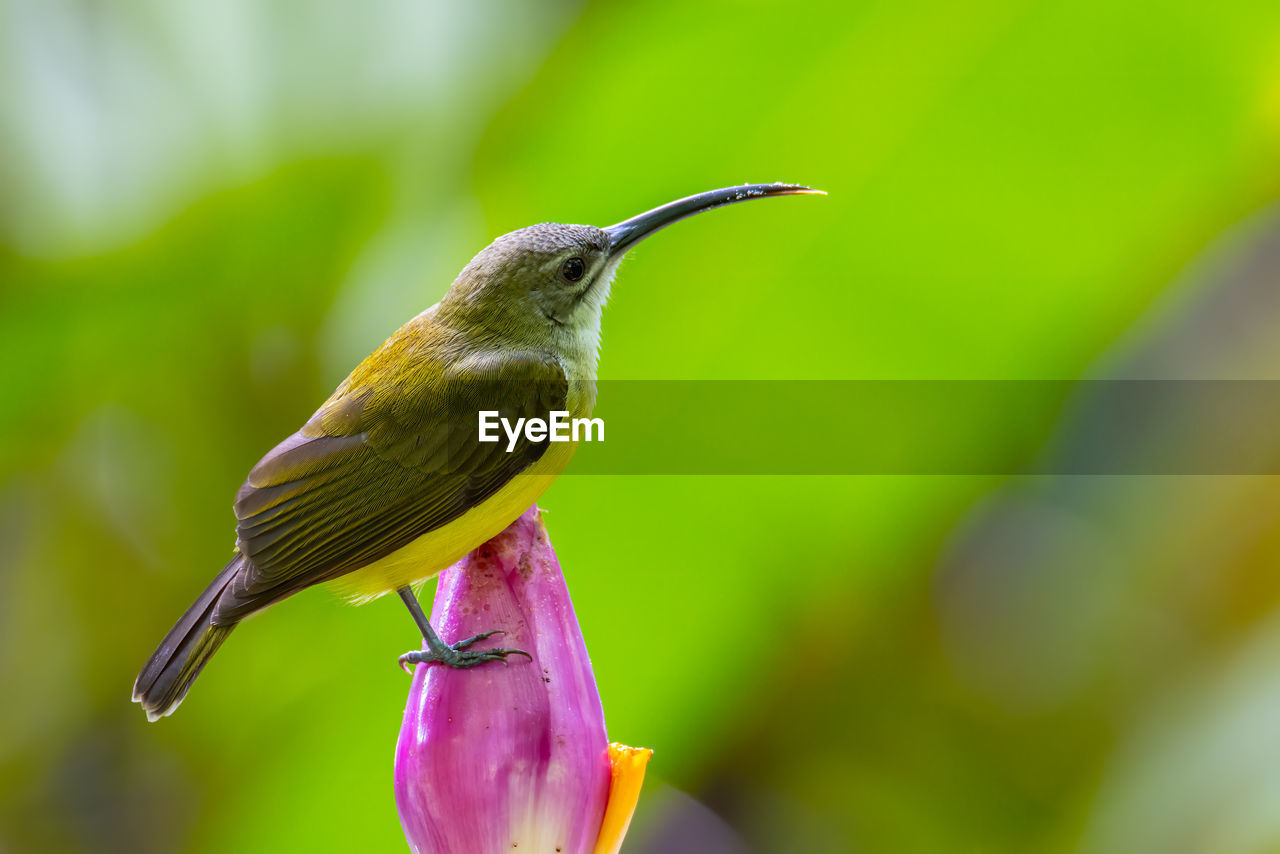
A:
629,232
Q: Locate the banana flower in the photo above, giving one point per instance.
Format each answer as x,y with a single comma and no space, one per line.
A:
510,757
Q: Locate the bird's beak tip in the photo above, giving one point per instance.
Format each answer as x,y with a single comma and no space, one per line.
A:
799,190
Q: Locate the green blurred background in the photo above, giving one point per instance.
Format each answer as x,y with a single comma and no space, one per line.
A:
209,212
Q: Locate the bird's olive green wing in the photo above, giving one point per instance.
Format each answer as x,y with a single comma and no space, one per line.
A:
379,466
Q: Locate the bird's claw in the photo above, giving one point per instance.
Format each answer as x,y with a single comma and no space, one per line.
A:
463,644
457,656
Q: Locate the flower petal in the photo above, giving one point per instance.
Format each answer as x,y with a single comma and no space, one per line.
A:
513,754
628,766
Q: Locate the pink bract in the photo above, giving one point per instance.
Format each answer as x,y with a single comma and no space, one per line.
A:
514,756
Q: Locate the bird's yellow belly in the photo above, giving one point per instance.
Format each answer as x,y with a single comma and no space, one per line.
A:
446,545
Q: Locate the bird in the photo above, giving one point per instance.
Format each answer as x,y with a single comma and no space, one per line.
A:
387,483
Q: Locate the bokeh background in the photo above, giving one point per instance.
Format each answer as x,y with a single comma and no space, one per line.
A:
210,211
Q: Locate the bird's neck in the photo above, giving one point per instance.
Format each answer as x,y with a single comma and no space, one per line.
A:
577,346
579,349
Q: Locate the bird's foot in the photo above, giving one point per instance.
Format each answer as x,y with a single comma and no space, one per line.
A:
457,655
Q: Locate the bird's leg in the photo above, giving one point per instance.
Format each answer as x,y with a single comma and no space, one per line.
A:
455,655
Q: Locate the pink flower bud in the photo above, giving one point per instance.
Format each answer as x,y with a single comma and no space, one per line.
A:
513,756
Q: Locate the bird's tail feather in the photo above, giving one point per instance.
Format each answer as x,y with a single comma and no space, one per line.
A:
184,651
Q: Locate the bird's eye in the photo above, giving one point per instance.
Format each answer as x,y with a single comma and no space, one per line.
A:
573,269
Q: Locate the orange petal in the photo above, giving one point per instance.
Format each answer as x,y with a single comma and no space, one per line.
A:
624,791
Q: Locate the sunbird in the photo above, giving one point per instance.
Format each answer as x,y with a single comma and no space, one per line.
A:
388,483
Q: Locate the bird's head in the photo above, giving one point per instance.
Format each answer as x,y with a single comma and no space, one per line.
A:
545,285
